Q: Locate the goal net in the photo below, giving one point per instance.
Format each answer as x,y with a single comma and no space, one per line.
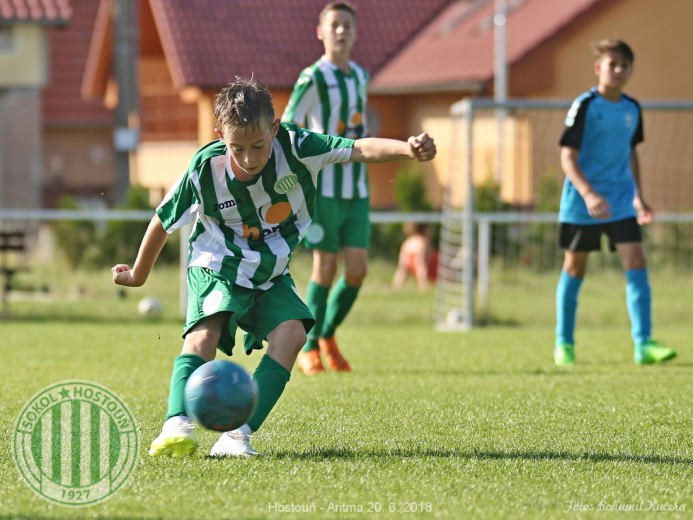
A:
503,191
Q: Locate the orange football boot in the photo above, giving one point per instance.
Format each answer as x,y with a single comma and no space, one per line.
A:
309,362
334,358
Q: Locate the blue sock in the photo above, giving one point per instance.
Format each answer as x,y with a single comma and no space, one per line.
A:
639,300
566,307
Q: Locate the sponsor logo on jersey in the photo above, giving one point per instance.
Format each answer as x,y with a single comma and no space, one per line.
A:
225,204
278,213
286,183
254,233
354,129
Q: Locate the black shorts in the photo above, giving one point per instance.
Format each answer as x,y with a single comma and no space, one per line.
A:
586,238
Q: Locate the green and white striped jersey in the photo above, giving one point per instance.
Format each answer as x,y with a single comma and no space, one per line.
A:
247,230
328,101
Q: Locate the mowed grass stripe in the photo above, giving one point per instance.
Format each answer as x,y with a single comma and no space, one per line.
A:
479,425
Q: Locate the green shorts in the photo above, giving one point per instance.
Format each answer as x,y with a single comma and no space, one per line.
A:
339,223
255,311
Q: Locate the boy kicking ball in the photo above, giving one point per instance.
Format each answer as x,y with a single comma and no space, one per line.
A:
250,196
603,194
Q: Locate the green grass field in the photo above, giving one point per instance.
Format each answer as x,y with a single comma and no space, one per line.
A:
434,425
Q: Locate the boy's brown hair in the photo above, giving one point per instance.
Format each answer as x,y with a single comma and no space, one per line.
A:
338,6
613,45
243,103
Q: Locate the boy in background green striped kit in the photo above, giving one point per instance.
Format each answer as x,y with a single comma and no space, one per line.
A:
250,197
330,98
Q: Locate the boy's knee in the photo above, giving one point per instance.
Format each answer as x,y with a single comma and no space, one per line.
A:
355,279
636,261
575,264
324,269
576,271
297,339
202,342
633,257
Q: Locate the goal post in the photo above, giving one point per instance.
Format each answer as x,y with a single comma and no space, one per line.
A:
503,216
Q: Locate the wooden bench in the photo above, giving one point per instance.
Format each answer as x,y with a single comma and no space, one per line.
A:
10,242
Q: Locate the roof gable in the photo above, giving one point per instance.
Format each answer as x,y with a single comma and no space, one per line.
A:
68,48
455,51
207,43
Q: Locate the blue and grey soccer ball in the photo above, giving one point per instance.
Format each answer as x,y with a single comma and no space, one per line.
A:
220,395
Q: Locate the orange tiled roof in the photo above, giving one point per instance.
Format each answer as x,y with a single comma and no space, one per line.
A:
208,42
42,11
455,51
68,48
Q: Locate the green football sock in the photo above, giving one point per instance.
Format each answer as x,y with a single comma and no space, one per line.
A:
271,378
183,367
316,298
341,299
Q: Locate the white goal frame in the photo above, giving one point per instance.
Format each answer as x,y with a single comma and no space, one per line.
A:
460,285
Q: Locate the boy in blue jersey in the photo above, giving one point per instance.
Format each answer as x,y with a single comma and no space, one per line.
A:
602,194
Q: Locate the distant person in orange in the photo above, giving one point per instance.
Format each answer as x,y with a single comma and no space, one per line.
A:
417,257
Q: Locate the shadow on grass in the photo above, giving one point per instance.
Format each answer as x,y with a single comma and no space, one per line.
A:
90,319
34,516
346,454
479,373
488,320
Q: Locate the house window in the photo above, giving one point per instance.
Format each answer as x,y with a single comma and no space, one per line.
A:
6,39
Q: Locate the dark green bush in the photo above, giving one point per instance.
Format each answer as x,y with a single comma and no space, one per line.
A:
87,244
75,238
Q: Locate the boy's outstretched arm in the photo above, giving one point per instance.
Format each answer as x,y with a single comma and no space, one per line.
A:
152,243
597,206
376,150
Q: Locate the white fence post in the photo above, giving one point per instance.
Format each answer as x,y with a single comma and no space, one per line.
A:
185,232
483,265
468,222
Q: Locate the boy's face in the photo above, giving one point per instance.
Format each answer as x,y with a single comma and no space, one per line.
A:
614,70
337,31
250,147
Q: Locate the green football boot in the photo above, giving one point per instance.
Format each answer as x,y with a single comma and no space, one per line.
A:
652,352
175,438
564,354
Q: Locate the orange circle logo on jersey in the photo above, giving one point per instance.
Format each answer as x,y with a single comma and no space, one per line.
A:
277,213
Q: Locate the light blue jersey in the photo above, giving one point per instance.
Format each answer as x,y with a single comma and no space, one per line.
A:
605,134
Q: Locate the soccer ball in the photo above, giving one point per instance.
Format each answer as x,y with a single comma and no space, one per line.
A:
455,317
220,395
149,307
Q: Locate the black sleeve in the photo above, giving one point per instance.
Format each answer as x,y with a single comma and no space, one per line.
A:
639,135
575,124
